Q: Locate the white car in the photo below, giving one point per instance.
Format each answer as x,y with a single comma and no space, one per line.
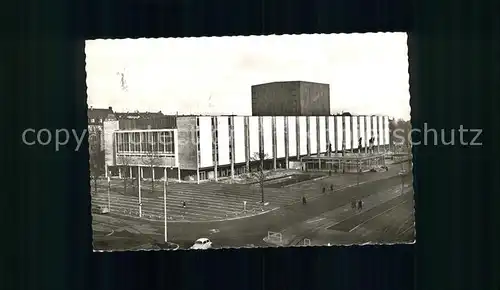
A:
99,209
201,244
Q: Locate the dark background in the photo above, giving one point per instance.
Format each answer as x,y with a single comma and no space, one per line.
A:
454,64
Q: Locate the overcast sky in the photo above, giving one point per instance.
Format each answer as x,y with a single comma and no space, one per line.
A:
367,73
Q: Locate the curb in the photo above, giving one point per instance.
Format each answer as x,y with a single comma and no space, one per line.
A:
207,221
271,179
272,244
305,181
176,247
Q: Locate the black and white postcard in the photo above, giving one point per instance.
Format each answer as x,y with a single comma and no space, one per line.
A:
252,141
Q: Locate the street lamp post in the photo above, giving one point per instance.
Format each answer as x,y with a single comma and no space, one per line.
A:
109,196
139,176
165,184
402,178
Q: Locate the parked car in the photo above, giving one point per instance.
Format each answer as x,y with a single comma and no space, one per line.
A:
99,209
201,244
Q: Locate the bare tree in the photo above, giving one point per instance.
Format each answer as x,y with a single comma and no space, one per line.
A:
260,175
95,171
125,161
151,158
94,160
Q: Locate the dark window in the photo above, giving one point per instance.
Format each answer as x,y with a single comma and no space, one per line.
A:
136,142
119,142
162,142
170,142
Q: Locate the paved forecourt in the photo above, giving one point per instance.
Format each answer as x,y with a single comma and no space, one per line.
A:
340,224
219,201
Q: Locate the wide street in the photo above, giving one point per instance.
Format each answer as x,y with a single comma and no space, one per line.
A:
387,215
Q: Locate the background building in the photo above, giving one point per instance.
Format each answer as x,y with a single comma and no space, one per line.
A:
298,125
296,98
96,118
211,147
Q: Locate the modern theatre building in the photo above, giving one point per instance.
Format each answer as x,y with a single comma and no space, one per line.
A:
210,147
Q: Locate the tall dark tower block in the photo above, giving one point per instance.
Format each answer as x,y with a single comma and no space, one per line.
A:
294,98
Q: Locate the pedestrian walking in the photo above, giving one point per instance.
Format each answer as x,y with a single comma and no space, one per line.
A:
353,205
329,172
304,200
331,187
360,205
183,204
324,189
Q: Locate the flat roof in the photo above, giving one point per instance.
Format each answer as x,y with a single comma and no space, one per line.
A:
362,157
289,82
143,130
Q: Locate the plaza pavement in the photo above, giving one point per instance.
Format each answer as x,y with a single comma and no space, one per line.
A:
249,231
211,201
343,225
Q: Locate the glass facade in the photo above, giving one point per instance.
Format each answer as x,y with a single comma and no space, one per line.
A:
161,142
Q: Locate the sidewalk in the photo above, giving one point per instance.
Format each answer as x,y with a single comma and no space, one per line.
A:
219,201
310,228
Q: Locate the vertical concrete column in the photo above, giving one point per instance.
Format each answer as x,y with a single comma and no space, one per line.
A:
308,134
106,170
179,174
273,125
378,134
343,136
231,141
328,140
318,134
152,173
372,134
366,134
335,135
247,143
197,130
351,129
358,129
287,142
130,173
297,136
119,172
215,148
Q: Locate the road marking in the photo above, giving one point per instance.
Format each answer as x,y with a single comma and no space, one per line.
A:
373,217
316,220
412,227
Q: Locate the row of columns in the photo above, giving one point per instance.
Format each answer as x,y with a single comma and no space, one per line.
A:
141,172
297,132
376,161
